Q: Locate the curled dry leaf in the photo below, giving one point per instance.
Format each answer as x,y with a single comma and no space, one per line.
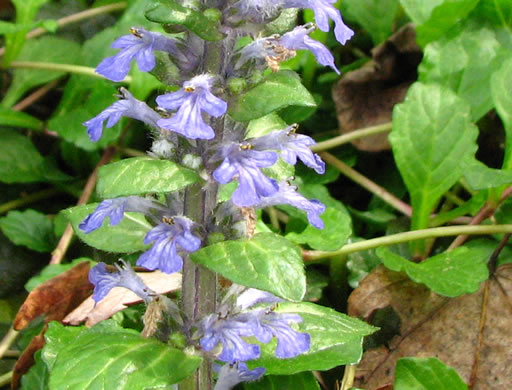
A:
366,96
119,298
470,333
56,297
26,360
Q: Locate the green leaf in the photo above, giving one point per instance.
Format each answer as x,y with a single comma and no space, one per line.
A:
13,118
266,261
480,177
170,12
464,62
502,98
51,49
280,171
29,228
26,11
442,18
278,90
20,162
432,135
302,381
126,237
50,271
450,273
499,12
115,358
375,16
264,125
426,374
337,229
140,175
419,10
69,126
336,339
37,377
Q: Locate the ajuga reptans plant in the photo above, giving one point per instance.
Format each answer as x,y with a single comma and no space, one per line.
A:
235,311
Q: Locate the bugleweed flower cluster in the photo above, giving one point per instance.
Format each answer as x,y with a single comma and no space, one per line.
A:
191,127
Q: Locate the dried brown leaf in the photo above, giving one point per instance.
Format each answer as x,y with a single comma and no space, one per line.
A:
119,298
366,96
470,333
26,360
56,297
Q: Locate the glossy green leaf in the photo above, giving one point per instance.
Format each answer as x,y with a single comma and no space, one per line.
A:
499,12
280,171
52,270
375,16
442,18
480,177
115,358
51,49
264,125
451,62
418,10
29,228
128,236
336,339
426,374
266,261
171,12
432,135
302,381
278,90
460,271
140,175
37,377
502,98
337,229
11,118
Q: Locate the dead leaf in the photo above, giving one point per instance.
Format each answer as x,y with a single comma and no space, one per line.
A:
366,96
470,333
26,360
120,298
56,297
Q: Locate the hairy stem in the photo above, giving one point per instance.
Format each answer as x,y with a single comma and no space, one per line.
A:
199,288
346,138
406,237
76,69
364,182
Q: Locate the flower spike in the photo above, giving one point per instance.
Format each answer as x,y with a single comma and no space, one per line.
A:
163,255
190,101
127,106
139,45
105,281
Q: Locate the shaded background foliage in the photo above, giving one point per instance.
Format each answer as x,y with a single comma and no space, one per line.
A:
438,73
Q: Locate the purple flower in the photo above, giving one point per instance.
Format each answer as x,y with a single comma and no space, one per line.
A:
163,255
114,209
190,101
128,106
140,45
292,146
324,10
105,281
234,373
290,343
228,333
298,39
288,194
240,160
252,296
